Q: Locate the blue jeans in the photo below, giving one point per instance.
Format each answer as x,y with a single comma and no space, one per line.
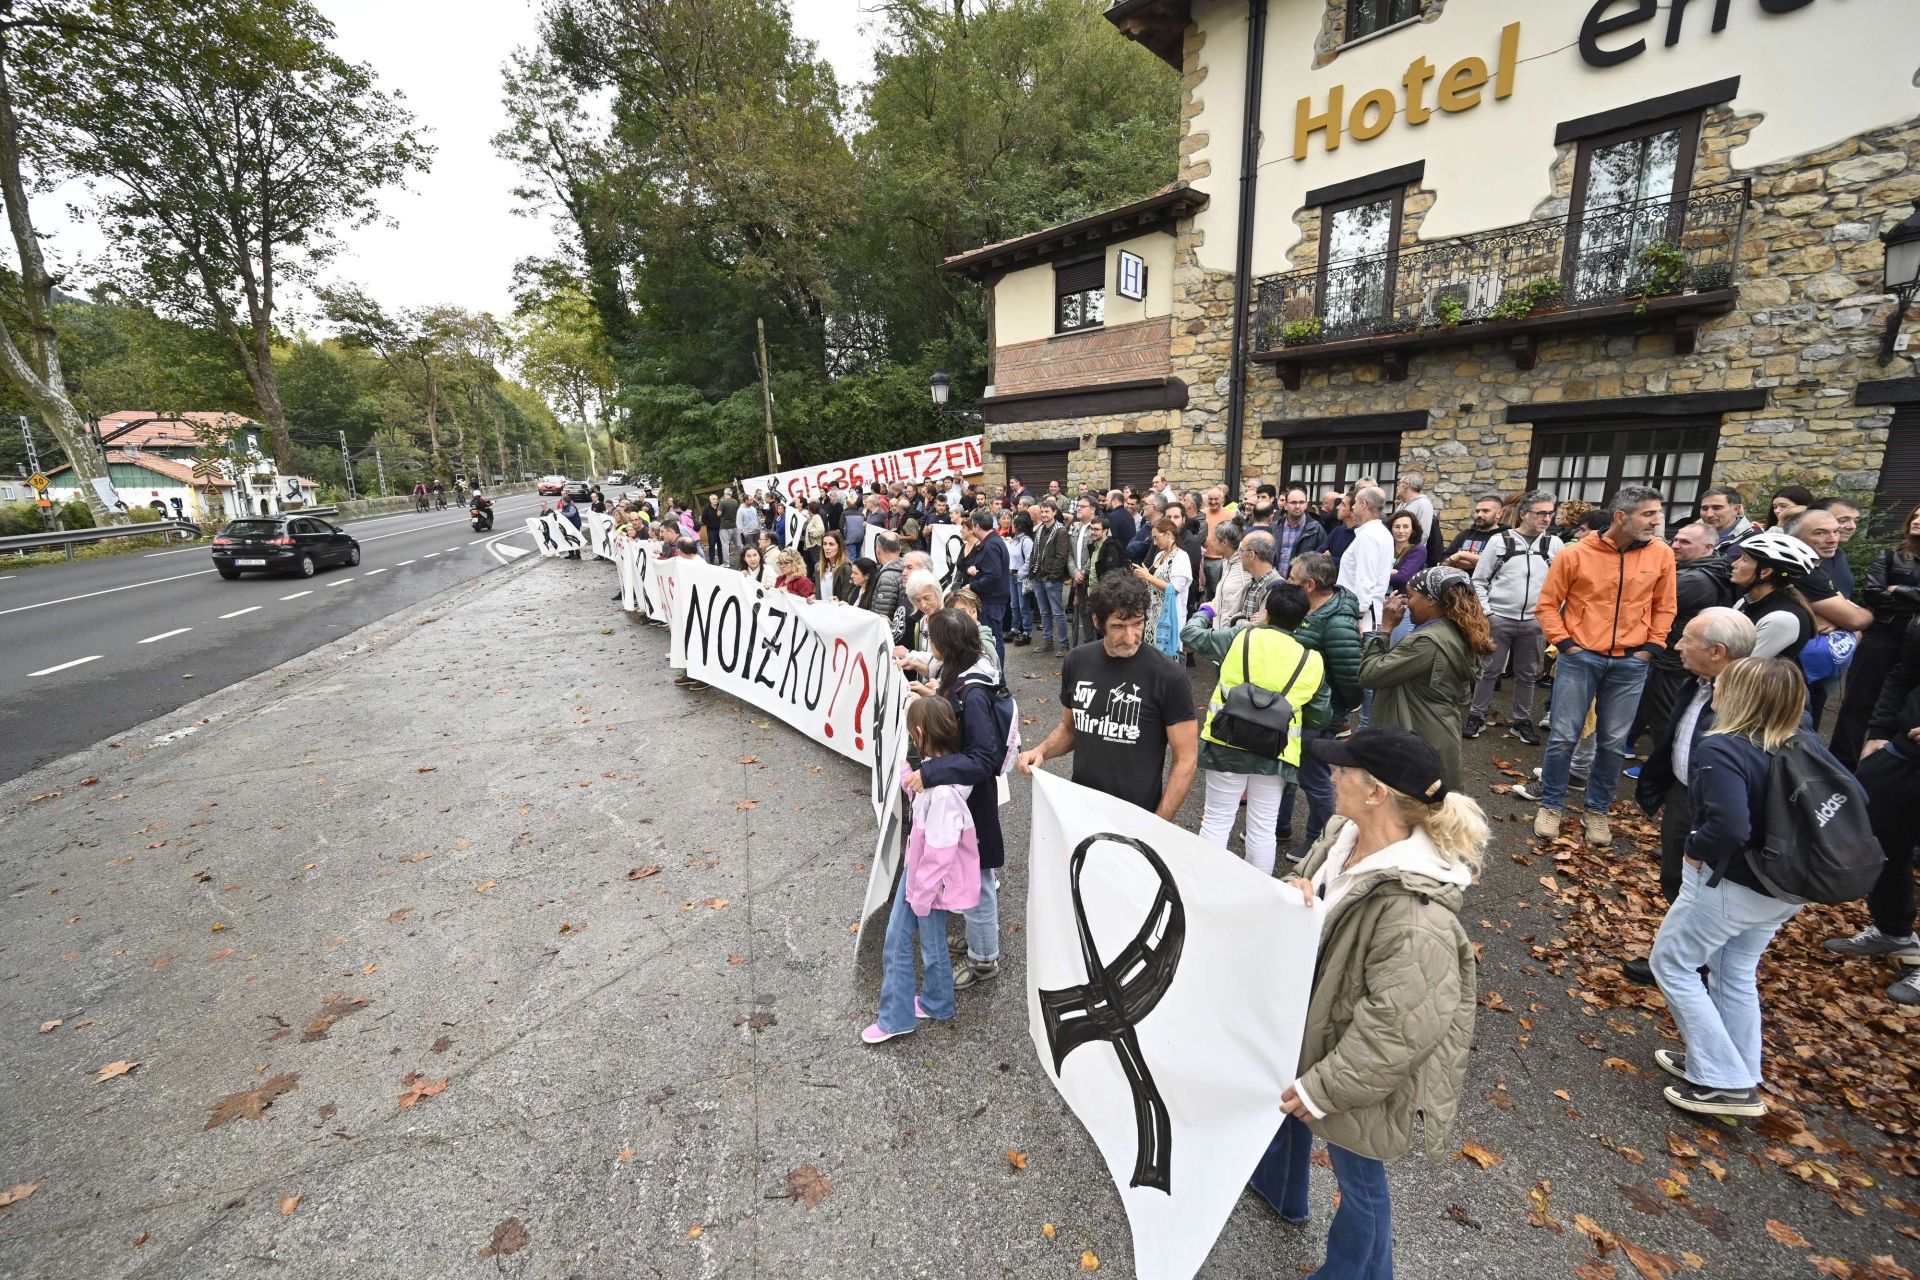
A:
1360,1241
907,932
1049,602
1316,779
1017,608
1612,687
994,614
983,920
1726,927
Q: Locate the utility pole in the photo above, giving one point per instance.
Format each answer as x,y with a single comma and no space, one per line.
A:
33,468
346,460
521,449
380,468
766,398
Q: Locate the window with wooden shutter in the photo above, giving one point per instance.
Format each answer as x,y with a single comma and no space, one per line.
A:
1080,295
1899,488
1035,469
1133,465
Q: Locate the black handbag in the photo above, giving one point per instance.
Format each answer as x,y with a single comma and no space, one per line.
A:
1253,719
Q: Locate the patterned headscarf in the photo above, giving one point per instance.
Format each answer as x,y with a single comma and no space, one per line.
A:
1436,583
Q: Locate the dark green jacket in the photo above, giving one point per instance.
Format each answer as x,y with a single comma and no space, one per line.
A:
1333,630
1424,683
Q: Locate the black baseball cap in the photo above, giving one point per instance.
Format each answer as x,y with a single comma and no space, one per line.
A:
1398,757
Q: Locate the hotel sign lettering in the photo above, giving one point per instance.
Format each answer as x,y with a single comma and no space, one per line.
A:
1462,86
1609,16
1459,88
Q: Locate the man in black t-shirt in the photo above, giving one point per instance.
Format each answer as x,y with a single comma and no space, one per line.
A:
1464,551
1123,705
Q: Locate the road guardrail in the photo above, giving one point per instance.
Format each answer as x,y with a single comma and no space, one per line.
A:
70,538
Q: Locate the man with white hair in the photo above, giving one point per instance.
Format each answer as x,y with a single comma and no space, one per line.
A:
1368,562
1711,642
1409,492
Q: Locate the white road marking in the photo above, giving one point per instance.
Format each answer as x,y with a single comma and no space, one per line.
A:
337,581
47,671
403,564
369,573
176,551
453,548
296,595
5,576
477,541
252,608
177,631
107,591
430,555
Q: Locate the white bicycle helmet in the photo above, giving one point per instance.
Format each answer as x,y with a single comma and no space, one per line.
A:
1780,552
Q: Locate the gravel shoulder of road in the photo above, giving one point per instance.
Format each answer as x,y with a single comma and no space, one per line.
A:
470,940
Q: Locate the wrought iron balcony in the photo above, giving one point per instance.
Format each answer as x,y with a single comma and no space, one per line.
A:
1625,259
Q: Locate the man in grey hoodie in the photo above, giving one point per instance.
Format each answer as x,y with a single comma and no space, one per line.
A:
1508,576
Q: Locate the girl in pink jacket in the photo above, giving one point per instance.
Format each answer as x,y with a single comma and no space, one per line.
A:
942,875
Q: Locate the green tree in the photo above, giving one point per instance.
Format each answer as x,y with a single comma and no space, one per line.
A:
229,176
30,33
562,352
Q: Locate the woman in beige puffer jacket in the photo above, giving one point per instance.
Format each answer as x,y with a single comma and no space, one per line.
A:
1390,1020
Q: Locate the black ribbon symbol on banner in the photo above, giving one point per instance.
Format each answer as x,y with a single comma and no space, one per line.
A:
1116,996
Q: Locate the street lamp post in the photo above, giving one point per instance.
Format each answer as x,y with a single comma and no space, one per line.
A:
1902,278
941,386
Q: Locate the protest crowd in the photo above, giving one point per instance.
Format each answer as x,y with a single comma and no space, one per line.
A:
1727,668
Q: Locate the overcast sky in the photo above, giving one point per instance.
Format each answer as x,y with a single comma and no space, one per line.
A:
456,237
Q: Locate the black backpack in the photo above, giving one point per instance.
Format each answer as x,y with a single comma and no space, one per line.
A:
1251,718
1819,846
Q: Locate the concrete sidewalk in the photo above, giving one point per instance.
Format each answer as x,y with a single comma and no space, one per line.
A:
397,901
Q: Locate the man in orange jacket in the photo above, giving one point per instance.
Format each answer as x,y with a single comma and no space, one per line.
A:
1606,606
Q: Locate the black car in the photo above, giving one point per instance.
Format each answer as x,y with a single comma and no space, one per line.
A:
287,544
578,490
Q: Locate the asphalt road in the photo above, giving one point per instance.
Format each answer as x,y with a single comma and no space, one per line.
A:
93,647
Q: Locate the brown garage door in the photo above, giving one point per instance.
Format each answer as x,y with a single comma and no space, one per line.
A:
1034,469
1134,465
1899,490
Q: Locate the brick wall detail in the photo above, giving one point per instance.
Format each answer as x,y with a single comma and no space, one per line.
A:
1120,353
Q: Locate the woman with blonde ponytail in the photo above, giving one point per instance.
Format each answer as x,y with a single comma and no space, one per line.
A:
1390,1020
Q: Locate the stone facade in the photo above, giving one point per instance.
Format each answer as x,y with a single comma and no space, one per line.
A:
1088,463
1806,328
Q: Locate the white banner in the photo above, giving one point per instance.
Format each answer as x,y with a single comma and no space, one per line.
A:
825,669
554,535
941,461
1167,988
945,545
598,527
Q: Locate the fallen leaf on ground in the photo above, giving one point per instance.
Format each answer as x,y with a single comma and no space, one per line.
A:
161,962
51,1023
418,1087
1018,1159
368,968
443,1044
748,804
113,1069
222,954
19,1191
422,856
218,928
808,1185
716,903
749,759
1046,1229
288,1204
1786,1235
141,1239
426,768
695,1231
1540,1215
736,959
1088,1262
251,1104
332,1011
641,873
1650,1265
625,1155
1479,1155
483,886
398,914
1621,1065
509,1237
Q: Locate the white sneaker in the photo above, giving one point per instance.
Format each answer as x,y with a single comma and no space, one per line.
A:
1871,942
